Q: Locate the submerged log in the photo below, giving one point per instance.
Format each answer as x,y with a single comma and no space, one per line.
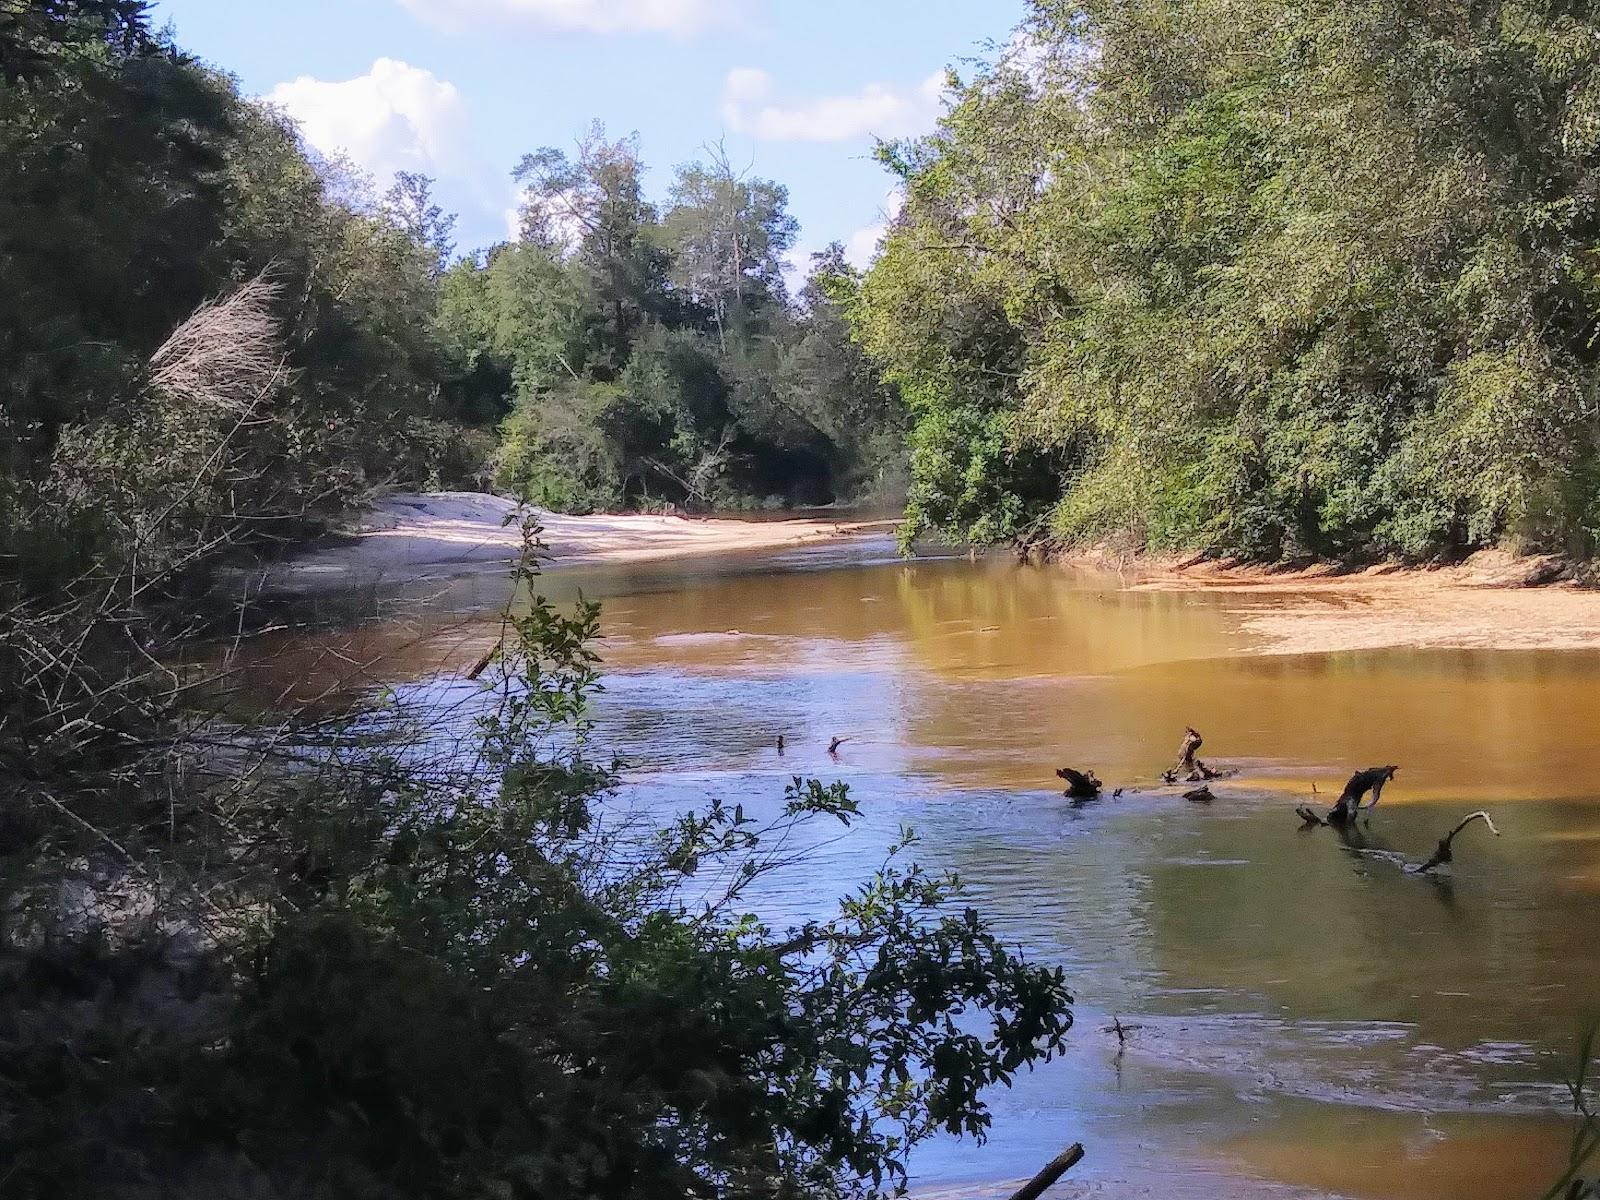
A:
1192,741
1443,852
1121,1029
1081,785
1045,1179
482,665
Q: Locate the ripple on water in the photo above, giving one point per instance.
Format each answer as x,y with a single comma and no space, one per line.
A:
1315,1020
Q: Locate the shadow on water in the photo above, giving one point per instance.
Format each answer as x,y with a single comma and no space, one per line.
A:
1313,1020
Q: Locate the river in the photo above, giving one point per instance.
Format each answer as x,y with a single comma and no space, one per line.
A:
1310,1019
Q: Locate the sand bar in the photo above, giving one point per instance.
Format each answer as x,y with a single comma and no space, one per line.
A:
1491,601
413,536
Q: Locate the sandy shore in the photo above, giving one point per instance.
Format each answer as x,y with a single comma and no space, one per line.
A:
1492,601
411,536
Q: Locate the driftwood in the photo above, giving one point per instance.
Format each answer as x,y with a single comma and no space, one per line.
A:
1350,800
1361,783
1443,853
1122,1030
482,665
1081,785
1045,1179
1189,768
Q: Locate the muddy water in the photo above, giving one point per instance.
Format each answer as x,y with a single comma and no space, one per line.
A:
1311,1019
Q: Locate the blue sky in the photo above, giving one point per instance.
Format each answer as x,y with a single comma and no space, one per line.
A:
460,89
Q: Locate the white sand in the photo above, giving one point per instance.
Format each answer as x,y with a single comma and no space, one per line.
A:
1492,601
418,536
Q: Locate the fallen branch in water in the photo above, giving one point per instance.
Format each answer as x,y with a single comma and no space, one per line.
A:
1045,1179
482,665
1349,804
1121,1030
1442,853
1081,785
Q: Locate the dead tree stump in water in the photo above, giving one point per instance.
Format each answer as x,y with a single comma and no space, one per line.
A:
1081,785
1189,768
1361,783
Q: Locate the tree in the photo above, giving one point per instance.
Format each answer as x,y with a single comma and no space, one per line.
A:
727,235
596,203
408,204
1256,278
827,377
114,144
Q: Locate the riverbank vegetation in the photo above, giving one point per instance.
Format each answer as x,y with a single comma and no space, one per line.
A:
1266,279
653,353
619,354
302,960
292,965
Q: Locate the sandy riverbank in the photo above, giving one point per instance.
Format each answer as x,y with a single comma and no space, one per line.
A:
411,536
1492,601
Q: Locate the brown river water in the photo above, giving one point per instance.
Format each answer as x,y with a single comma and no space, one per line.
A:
1311,1019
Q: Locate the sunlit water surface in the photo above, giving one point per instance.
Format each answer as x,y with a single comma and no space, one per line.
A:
1311,1019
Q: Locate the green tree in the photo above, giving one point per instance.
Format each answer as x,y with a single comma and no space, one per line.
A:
596,201
1257,278
727,235
409,206
114,147
828,379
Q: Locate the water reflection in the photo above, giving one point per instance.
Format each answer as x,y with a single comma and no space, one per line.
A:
1314,1019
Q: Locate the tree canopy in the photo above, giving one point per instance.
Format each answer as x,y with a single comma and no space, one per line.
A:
1274,279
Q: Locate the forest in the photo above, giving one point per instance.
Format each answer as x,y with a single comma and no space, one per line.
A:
1253,279
619,354
1256,278
288,959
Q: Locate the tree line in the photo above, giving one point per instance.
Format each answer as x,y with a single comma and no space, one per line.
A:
617,354
1258,278
653,353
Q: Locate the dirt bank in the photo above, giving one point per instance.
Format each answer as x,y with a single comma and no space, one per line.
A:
1492,601
417,536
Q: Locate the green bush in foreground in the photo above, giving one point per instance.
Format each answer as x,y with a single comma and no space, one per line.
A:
468,975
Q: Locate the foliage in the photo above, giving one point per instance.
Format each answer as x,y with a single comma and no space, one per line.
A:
1586,1137
1256,278
481,979
103,115
657,358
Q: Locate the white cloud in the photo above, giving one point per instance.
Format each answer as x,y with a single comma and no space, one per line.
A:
681,17
750,106
396,117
